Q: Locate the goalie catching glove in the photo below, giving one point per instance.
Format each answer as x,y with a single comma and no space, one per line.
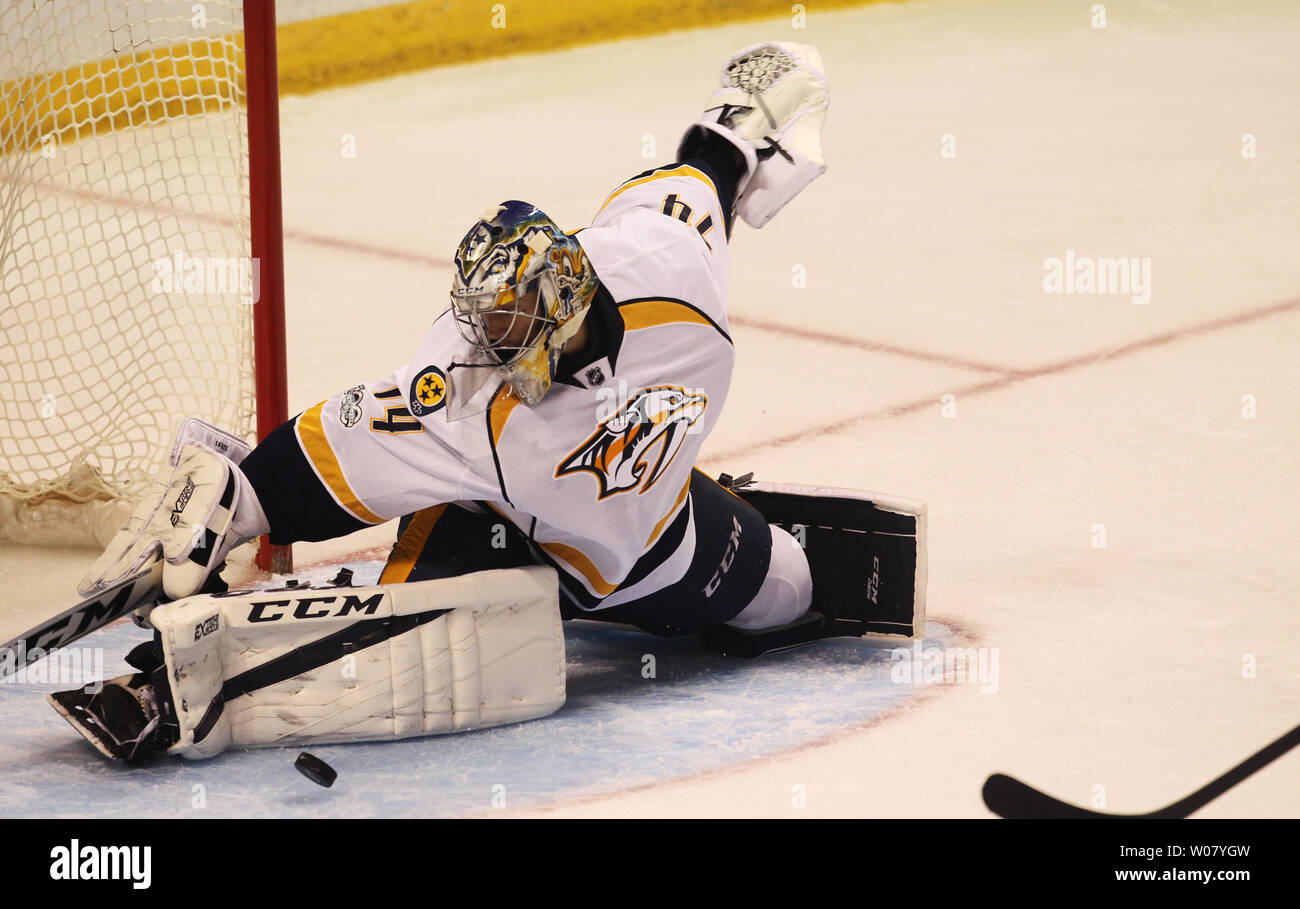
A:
199,507
771,109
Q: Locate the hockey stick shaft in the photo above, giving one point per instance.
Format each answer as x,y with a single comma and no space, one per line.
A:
1010,798
129,594
1215,788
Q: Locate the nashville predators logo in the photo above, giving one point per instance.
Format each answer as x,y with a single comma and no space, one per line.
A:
622,451
428,391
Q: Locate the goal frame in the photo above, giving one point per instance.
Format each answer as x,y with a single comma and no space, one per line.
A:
267,229
78,90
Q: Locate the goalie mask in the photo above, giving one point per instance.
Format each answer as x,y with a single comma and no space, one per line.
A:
520,292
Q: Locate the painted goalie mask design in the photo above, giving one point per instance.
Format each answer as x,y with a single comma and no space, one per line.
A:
520,292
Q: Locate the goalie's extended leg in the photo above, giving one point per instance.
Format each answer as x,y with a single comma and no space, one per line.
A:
866,553
334,664
731,571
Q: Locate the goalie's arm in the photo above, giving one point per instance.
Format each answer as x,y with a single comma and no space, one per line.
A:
770,109
352,461
347,463
295,502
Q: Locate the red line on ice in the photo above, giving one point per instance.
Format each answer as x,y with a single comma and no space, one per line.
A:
1009,379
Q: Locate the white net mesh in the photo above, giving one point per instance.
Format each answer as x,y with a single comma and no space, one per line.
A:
125,275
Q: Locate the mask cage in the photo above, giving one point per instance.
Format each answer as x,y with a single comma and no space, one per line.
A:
489,319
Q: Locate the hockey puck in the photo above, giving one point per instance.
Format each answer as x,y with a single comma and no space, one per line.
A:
316,770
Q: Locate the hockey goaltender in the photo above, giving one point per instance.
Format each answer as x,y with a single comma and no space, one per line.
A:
539,450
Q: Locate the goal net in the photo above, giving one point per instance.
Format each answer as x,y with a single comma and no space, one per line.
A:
129,281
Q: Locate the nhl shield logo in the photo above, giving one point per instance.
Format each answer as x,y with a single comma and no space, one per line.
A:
428,391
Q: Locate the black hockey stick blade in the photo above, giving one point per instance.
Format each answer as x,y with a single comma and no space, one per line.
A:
140,589
1008,797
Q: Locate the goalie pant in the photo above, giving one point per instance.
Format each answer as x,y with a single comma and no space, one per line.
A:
743,570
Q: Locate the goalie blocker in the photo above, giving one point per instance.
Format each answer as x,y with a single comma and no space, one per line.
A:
866,553
332,664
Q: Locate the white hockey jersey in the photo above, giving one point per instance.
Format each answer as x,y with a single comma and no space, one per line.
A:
597,472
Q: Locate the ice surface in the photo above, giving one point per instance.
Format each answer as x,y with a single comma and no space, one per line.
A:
618,729
1146,667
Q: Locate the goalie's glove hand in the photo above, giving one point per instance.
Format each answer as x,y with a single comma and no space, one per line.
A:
193,515
771,108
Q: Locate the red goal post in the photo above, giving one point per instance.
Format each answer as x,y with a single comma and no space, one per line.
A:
267,235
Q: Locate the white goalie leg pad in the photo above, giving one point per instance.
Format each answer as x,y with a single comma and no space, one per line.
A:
346,664
893,552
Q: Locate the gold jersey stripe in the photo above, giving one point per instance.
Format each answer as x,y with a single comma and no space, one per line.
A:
654,534
684,171
649,313
583,566
410,545
503,404
311,435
